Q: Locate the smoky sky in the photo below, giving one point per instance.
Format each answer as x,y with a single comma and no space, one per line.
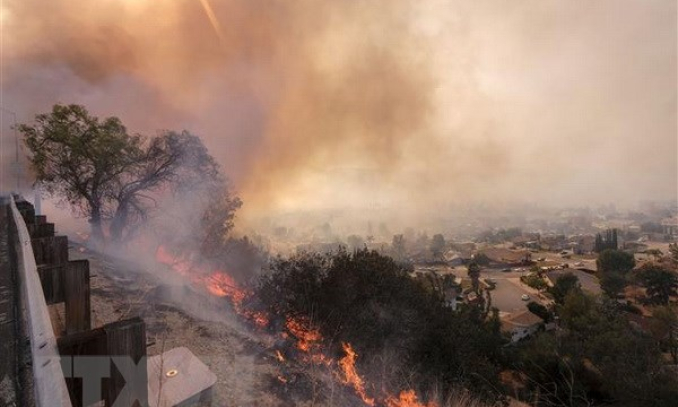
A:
386,103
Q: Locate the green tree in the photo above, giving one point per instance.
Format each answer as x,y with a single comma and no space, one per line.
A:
618,261
577,312
609,242
539,310
612,283
78,157
564,285
660,284
599,245
534,281
665,327
106,174
588,363
614,244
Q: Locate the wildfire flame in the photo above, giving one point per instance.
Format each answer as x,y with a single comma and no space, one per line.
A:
351,377
218,283
223,285
407,398
309,340
307,337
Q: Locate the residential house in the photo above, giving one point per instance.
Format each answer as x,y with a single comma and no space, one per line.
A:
451,294
521,325
635,246
588,281
465,248
582,244
456,259
505,257
553,242
670,227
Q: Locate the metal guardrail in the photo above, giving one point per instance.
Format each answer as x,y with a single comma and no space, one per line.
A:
49,384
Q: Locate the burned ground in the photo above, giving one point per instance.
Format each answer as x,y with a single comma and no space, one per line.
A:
179,314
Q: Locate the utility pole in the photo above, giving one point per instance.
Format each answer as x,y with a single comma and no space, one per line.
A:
17,167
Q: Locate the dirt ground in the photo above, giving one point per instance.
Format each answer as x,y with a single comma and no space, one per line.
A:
177,314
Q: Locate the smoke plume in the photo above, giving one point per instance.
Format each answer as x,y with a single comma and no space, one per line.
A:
393,104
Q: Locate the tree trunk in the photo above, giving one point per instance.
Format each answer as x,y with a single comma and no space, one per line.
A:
97,232
118,223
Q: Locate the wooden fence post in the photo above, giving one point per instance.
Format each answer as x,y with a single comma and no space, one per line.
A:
51,278
41,230
128,338
50,250
76,296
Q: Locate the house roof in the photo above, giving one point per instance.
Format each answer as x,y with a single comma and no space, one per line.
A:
588,281
521,239
521,319
501,255
451,255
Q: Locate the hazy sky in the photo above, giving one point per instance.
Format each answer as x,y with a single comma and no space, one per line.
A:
408,104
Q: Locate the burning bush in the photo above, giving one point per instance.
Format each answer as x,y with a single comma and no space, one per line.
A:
399,331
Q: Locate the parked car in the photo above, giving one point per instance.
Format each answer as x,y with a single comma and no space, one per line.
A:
525,297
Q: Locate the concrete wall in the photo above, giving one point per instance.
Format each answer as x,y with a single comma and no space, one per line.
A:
49,385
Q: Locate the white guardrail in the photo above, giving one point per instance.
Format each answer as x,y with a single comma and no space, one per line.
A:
49,385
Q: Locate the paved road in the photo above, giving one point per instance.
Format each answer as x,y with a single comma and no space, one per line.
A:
507,295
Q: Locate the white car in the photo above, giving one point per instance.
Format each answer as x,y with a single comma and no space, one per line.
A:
525,297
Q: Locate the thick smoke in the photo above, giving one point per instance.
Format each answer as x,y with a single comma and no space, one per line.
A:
384,104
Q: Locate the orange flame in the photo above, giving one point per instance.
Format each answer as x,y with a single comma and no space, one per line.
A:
217,283
308,340
279,356
407,398
221,284
307,337
351,377
259,318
